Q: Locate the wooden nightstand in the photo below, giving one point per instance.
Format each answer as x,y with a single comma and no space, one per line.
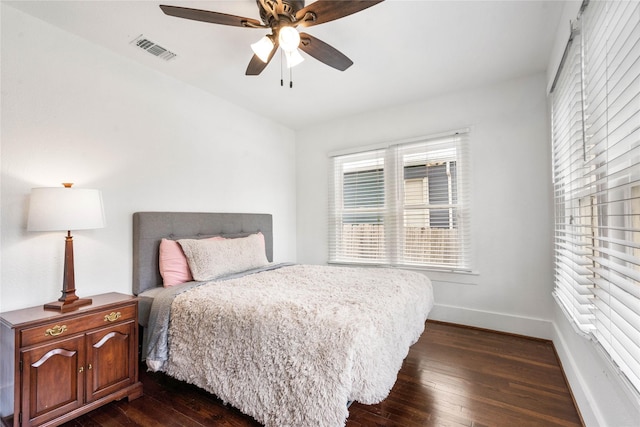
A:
57,366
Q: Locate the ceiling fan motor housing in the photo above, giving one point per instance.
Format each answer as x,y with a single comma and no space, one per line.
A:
286,8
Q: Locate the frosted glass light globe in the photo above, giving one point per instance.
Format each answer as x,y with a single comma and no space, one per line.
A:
262,48
289,39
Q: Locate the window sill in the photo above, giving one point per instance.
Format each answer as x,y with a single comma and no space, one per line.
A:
435,274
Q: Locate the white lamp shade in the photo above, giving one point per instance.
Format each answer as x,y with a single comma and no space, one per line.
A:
60,208
262,48
293,58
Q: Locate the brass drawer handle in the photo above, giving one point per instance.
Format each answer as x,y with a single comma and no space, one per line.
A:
112,317
56,330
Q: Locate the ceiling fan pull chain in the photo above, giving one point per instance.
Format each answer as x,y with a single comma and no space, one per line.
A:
290,77
281,78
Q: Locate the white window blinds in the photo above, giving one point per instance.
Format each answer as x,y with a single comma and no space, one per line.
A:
596,147
405,204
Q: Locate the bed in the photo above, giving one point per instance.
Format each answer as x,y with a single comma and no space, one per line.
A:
287,344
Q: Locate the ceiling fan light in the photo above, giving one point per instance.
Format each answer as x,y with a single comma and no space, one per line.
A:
262,48
289,39
293,58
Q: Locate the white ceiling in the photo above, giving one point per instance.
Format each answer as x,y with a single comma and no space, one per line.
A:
403,50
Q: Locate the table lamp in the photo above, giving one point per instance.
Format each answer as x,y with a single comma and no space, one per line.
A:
66,209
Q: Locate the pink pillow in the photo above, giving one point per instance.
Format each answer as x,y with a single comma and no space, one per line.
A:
173,264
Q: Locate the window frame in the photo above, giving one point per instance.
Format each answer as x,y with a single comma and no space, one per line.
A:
386,245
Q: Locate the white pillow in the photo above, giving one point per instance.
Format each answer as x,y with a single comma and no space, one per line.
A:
211,259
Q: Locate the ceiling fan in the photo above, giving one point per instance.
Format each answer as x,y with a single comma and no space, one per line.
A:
282,17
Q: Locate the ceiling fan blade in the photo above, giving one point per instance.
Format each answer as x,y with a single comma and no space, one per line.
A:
322,11
324,52
256,65
211,17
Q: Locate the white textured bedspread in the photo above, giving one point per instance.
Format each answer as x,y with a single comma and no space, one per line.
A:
291,346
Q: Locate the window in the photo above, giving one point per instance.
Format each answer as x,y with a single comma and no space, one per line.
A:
363,196
596,148
404,204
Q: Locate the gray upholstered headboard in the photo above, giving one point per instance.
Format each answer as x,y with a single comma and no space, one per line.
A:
150,227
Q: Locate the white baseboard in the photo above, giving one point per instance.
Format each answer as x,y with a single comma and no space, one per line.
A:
604,397
581,395
520,325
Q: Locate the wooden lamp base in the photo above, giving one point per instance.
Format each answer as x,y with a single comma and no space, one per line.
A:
69,301
63,306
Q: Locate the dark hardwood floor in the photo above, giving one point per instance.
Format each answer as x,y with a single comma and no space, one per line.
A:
453,376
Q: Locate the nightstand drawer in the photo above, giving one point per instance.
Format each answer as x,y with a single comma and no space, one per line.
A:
68,327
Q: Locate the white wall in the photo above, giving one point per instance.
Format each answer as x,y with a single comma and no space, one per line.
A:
72,111
511,198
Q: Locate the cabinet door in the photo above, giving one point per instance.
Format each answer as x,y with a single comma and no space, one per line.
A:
111,358
52,380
